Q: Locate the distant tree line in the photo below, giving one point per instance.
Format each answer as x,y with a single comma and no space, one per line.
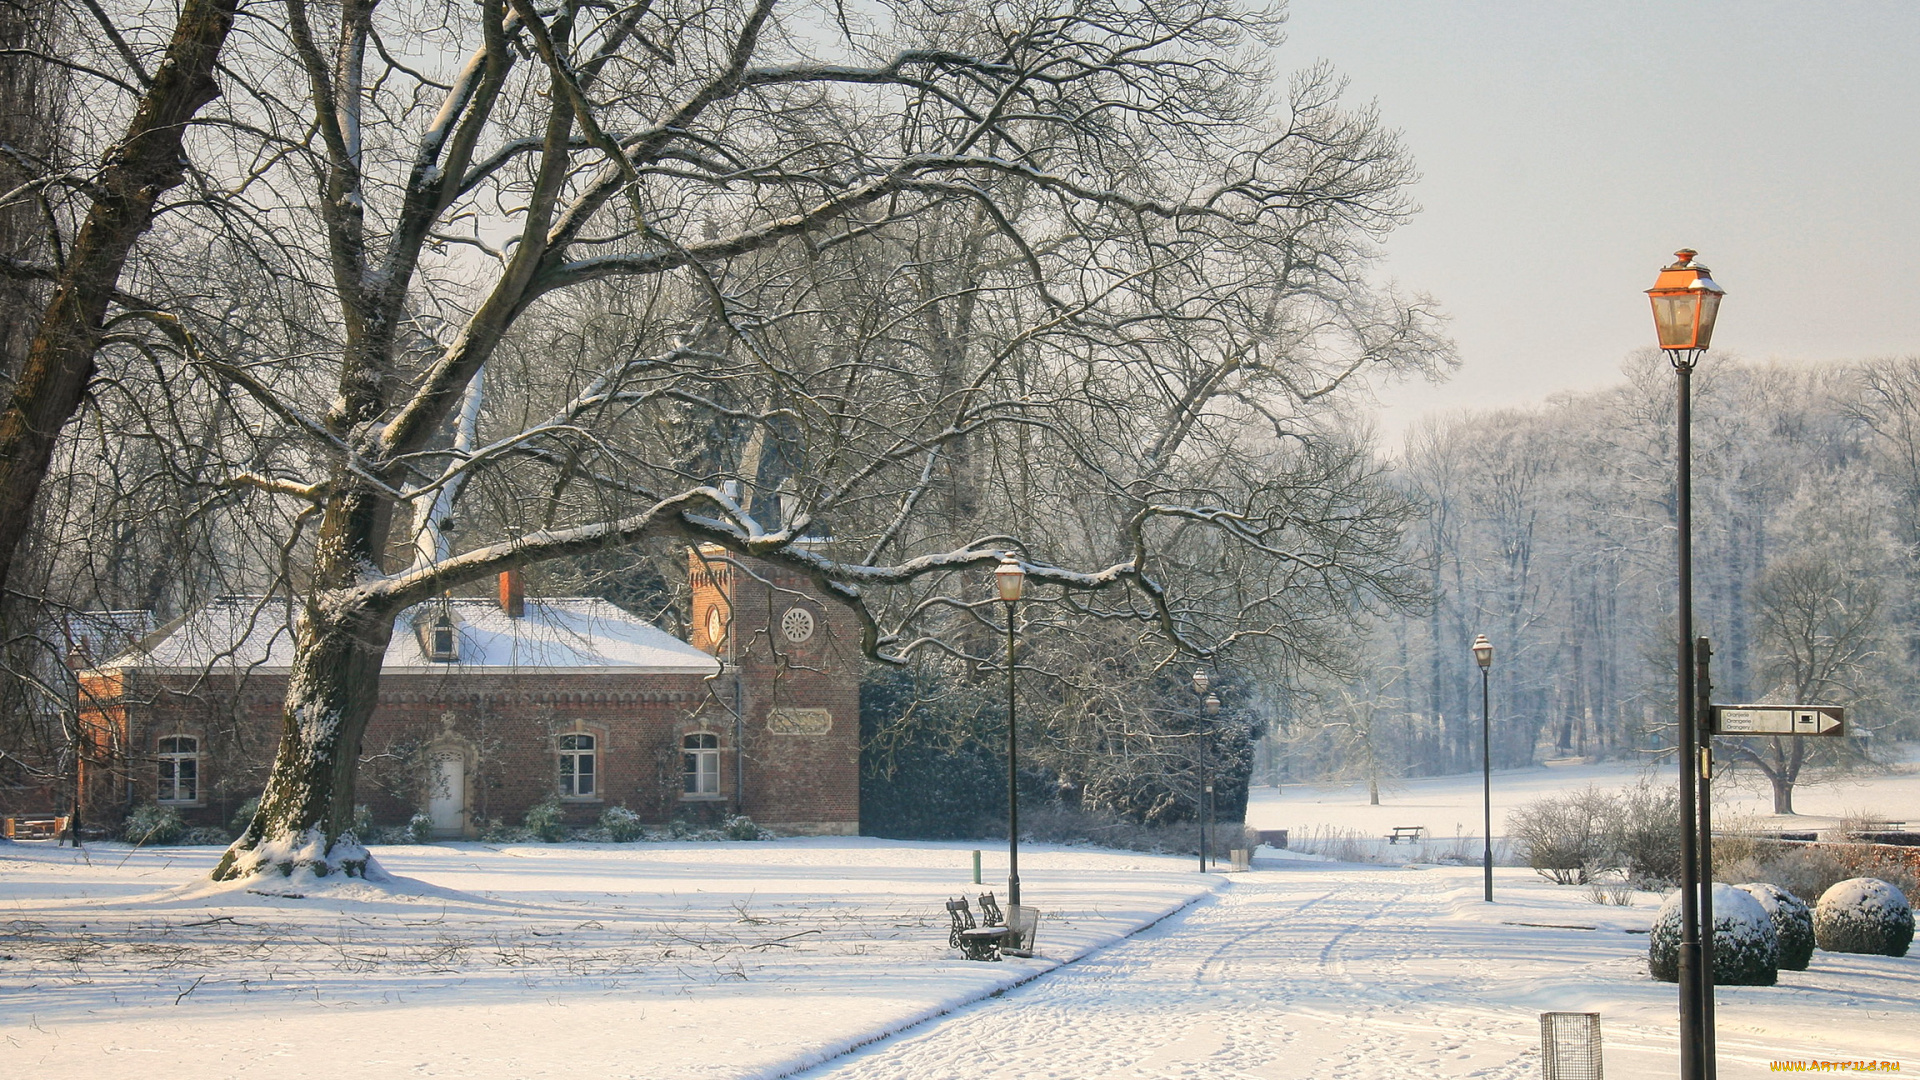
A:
1551,530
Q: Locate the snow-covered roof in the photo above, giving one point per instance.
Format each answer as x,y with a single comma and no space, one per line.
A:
557,634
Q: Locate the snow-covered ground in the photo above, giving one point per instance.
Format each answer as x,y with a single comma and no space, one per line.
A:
1450,806
640,960
740,960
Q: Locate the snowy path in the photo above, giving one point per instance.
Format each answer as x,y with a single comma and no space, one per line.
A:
1355,973
1269,980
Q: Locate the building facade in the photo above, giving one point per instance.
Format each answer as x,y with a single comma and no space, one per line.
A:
489,707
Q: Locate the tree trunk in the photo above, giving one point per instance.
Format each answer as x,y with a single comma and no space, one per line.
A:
1782,792
1373,792
144,165
306,812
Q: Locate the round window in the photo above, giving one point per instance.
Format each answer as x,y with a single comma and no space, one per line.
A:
716,625
797,624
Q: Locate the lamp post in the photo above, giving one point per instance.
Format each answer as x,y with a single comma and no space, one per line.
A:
1011,581
1685,303
1483,655
1200,682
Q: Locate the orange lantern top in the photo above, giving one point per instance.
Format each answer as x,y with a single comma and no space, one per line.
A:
1685,302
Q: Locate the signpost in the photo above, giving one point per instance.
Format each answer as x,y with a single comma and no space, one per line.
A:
1829,720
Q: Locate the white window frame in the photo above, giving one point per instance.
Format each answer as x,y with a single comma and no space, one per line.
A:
570,756
700,765
167,779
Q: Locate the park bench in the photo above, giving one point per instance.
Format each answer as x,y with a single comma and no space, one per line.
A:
974,941
33,828
1409,833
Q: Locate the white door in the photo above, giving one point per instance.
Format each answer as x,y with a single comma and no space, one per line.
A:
447,799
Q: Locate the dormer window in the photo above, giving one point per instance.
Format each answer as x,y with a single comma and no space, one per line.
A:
440,639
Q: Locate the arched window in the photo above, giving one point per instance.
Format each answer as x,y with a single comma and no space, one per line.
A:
179,770
577,767
701,753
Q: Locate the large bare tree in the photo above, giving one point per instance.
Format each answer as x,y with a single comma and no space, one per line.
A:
883,301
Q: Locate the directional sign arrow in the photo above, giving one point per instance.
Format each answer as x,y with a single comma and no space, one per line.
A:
1827,720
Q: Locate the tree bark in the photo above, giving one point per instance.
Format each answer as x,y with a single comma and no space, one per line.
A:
145,164
306,812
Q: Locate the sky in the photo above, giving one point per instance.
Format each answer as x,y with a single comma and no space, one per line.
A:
1567,150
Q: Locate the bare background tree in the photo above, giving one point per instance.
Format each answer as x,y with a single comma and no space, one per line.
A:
1549,529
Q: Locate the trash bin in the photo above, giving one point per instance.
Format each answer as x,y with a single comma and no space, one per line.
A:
1570,1045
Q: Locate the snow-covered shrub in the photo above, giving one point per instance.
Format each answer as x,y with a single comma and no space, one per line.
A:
362,820
495,831
1864,915
1792,923
152,826
206,834
420,827
547,820
1745,949
243,817
622,825
741,827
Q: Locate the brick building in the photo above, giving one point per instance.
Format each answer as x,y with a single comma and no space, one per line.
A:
488,707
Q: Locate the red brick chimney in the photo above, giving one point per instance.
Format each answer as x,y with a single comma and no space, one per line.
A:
513,594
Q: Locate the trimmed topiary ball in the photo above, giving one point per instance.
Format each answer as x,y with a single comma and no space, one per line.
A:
1746,951
1792,923
1864,915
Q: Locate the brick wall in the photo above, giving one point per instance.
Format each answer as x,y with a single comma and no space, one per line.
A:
795,669
797,694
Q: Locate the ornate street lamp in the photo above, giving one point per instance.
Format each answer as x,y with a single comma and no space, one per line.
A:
1685,304
1011,581
1483,655
1200,684
1211,707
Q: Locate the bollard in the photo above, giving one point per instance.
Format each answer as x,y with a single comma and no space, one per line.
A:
976,866
1570,1045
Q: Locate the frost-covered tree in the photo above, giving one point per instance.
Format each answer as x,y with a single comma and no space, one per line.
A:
881,295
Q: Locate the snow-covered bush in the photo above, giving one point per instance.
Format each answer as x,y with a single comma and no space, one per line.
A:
741,827
362,820
152,826
622,825
1864,915
206,834
420,827
495,831
547,820
1792,923
1745,950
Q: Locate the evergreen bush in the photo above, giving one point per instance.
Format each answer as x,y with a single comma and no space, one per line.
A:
1864,915
1746,951
741,827
243,817
420,827
547,821
622,825
153,826
1792,923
